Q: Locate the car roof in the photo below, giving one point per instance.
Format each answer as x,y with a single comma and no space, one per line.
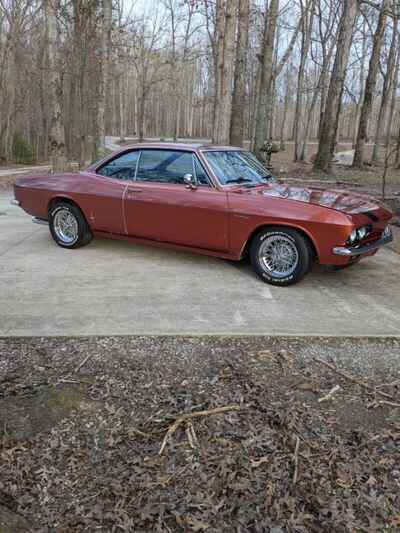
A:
179,146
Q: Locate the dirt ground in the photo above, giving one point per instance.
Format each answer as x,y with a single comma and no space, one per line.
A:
172,434
368,180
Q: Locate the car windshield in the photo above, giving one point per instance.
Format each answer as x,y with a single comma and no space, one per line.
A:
237,166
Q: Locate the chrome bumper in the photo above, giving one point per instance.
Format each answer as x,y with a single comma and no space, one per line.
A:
353,251
37,220
15,202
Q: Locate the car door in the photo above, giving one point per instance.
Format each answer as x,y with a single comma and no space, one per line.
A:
106,191
159,206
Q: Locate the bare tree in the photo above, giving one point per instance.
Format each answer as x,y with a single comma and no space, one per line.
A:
236,70
361,80
386,89
265,77
239,89
226,27
305,45
57,134
327,136
370,86
105,67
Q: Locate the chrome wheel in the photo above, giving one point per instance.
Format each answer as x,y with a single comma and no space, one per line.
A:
278,256
65,226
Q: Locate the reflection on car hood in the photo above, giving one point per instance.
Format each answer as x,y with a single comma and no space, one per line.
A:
339,199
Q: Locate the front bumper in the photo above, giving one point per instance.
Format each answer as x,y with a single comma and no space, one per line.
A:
354,251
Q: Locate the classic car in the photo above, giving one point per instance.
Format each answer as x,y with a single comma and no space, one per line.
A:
213,200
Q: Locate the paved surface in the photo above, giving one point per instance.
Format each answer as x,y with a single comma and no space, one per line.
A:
344,158
23,170
111,288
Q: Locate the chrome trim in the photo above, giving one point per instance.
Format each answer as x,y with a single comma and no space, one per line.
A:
278,256
13,201
354,251
37,220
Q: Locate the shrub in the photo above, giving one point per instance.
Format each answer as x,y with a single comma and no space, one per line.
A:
21,150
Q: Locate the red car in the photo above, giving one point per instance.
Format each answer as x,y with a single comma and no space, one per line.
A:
213,200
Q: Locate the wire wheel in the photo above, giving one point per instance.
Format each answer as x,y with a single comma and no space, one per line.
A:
65,226
278,256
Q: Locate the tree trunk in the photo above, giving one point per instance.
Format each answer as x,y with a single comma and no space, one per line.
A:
391,64
305,45
327,137
57,133
225,75
361,83
105,67
370,86
261,124
239,88
318,90
140,114
285,109
218,60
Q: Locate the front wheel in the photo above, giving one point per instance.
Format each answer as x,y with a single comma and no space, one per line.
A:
68,226
281,256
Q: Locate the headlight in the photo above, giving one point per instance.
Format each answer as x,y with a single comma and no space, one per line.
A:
353,237
362,233
386,232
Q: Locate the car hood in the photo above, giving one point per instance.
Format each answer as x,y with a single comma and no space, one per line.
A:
339,199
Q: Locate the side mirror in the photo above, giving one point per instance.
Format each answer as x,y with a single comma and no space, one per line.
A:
190,181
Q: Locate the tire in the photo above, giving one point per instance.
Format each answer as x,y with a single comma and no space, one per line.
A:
68,226
293,260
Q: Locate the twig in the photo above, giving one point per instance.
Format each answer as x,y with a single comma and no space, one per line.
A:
330,394
189,416
82,363
353,379
296,460
141,433
392,404
72,381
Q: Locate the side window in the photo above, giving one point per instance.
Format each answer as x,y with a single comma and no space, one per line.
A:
201,174
164,166
122,167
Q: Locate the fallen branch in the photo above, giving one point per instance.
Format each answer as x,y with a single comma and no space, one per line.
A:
392,404
72,381
82,363
188,418
140,433
296,460
353,379
330,394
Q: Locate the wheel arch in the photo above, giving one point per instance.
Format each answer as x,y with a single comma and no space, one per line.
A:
67,200
262,227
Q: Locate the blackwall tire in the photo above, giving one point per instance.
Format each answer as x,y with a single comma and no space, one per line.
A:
281,256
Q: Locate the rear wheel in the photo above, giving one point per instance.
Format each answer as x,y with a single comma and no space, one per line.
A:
68,226
281,256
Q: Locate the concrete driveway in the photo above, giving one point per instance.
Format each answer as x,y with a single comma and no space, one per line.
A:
112,288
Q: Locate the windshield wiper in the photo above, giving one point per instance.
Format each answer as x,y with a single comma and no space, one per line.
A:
240,180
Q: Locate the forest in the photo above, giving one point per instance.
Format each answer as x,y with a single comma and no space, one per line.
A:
236,72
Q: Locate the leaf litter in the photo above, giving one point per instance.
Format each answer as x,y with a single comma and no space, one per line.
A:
200,434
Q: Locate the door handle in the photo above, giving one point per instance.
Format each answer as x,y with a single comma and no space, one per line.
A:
131,192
